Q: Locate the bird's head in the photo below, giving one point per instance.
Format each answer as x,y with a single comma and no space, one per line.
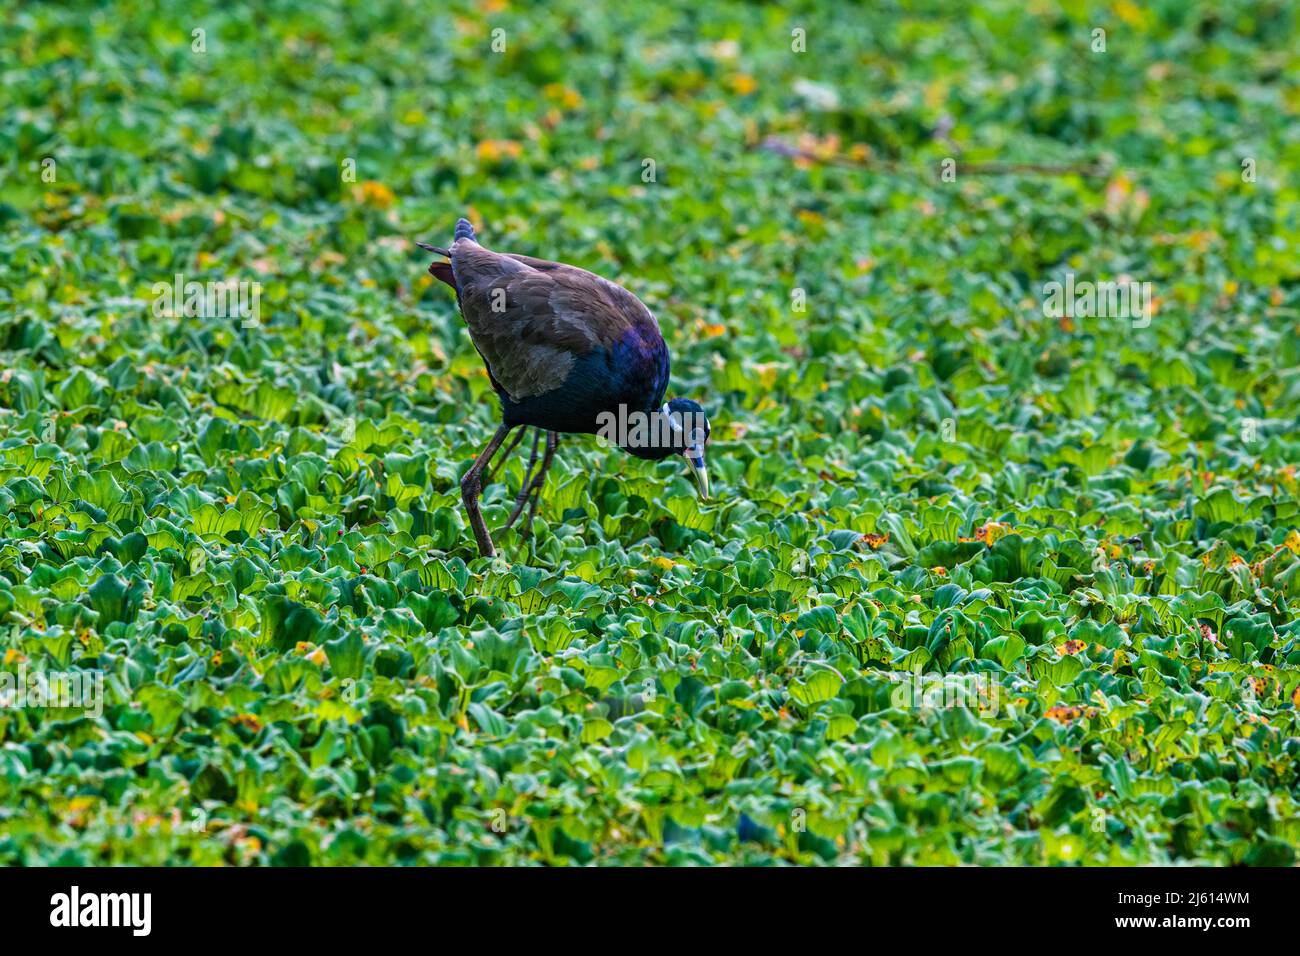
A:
688,429
679,427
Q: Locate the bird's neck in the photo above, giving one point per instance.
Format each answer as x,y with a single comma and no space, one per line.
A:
649,453
656,440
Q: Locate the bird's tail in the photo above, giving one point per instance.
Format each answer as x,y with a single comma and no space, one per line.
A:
465,231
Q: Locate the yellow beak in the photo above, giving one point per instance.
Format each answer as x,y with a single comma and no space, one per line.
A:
695,458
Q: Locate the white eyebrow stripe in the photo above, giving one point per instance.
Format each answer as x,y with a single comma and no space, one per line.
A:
676,425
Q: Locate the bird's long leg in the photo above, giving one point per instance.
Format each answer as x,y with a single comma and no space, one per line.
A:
472,485
527,485
552,442
533,483
505,457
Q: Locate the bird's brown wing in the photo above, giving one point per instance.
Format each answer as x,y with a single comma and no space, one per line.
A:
532,319
614,297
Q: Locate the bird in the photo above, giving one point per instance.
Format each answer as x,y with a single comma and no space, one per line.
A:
567,352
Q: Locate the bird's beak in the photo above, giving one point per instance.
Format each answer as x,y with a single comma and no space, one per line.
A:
695,458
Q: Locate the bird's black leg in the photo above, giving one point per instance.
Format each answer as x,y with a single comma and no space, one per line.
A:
501,462
471,486
527,485
552,442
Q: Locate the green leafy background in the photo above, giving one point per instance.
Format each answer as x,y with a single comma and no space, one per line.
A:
255,535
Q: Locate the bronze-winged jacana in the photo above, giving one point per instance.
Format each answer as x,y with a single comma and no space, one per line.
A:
567,352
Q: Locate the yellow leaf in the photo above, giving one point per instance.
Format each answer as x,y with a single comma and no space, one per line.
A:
495,150
1129,12
372,193
743,83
